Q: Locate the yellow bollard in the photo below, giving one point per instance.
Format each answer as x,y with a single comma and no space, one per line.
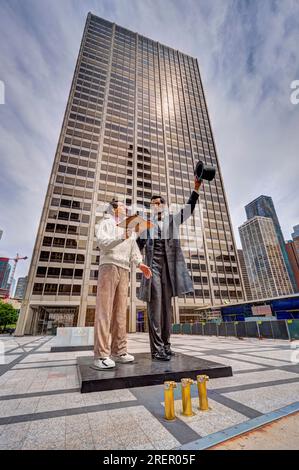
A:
186,397
169,400
202,392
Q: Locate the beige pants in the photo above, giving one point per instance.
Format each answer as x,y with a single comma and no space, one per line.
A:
111,310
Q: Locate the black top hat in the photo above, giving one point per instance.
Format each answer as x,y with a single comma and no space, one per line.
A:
204,172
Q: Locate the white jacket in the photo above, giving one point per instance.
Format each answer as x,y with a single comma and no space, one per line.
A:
114,247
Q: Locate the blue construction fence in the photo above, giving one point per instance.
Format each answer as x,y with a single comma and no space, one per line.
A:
282,309
274,329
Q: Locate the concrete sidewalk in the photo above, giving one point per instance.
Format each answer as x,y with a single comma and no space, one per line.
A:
41,406
282,434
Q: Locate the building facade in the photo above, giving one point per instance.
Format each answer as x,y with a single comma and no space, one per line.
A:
263,206
21,288
295,238
244,275
12,287
293,254
136,123
267,273
295,234
5,269
292,247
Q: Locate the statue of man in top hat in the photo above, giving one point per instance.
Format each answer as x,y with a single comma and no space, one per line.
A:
170,277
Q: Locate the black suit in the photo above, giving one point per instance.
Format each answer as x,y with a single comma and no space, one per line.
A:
170,276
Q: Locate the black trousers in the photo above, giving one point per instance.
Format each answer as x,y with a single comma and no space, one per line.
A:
159,307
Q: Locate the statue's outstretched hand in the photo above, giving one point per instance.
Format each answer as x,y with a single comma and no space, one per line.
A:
146,270
197,183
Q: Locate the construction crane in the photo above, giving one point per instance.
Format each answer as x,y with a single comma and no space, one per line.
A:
11,277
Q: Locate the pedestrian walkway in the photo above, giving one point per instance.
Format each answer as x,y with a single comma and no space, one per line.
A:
41,406
283,434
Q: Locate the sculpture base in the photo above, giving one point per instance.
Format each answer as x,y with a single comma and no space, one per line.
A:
71,348
144,371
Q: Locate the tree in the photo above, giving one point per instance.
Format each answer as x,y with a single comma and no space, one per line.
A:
8,314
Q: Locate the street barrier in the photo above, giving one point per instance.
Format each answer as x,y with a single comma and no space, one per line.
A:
186,328
269,329
222,329
240,329
177,328
293,328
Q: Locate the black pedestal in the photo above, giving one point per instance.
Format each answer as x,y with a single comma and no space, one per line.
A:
71,348
144,371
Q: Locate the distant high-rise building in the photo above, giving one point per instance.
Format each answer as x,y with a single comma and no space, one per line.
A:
295,234
21,288
264,207
267,273
293,254
244,275
12,288
5,269
292,247
136,123
1,233
295,237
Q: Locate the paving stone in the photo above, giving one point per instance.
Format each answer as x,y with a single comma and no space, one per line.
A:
268,399
141,426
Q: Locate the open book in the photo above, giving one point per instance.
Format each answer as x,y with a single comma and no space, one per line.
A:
136,222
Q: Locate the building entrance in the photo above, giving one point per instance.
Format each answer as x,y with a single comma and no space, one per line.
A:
46,320
141,320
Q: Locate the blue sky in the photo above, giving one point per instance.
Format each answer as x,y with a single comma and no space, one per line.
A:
248,55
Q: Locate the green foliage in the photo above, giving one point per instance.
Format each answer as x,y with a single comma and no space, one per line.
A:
8,314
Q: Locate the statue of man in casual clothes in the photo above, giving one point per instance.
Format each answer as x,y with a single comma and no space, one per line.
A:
118,249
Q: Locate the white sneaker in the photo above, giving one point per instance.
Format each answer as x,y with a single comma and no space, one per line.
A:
123,358
103,363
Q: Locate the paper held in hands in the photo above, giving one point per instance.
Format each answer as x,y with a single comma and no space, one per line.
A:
136,223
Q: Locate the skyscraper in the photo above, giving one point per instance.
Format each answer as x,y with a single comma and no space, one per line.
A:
295,238
21,288
295,234
263,206
5,269
244,275
267,273
12,287
293,254
136,123
292,247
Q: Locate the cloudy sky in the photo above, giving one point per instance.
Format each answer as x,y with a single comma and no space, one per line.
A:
248,53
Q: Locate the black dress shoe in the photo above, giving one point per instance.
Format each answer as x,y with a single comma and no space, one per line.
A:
160,357
169,352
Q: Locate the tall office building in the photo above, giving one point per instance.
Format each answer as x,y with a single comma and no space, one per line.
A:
244,275
21,288
5,269
267,273
136,123
292,247
12,288
263,206
295,234
295,238
293,254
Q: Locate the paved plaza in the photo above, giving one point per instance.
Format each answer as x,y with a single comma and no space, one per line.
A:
41,406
